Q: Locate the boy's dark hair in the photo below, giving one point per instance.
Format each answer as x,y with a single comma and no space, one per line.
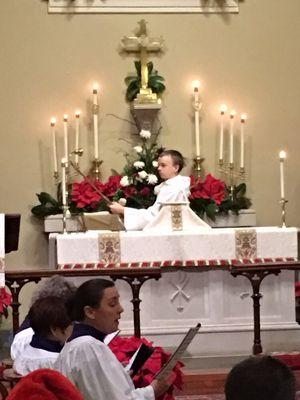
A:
176,156
49,312
90,293
260,378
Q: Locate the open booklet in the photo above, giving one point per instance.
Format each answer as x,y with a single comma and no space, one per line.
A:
139,357
177,355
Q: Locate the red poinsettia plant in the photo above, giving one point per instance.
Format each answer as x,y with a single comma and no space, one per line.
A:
5,301
124,348
135,187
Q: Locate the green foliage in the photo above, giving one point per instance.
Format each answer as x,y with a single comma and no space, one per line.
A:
155,81
48,206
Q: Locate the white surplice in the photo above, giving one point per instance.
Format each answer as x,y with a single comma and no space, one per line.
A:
173,190
97,373
21,340
32,359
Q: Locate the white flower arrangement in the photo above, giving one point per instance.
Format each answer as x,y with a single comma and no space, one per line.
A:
138,149
122,201
139,164
152,179
145,134
155,164
142,174
124,181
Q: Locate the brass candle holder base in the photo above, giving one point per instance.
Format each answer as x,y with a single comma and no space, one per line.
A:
96,168
56,177
66,214
198,160
283,203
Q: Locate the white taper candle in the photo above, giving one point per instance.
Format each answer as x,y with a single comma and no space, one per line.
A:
223,110
243,120
231,136
95,115
282,157
52,124
64,163
66,147
77,115
196,85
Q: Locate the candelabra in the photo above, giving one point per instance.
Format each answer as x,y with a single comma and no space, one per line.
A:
283,203
233,175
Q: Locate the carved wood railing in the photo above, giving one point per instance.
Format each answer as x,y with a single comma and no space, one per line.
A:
254,271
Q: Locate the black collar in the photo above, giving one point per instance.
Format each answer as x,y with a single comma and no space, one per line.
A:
40,342
81,329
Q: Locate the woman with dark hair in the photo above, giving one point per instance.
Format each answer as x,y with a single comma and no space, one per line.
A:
52,326
56,286
86,360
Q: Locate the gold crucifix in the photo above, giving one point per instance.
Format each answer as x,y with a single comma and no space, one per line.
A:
143,44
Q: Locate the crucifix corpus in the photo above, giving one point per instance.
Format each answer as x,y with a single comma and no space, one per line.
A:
143,44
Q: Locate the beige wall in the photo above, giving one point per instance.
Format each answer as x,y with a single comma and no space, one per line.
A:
250,60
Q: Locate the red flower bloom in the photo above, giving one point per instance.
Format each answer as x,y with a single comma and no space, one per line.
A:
211,188
124,348
5,301
130,191
145,191
112,185
83,194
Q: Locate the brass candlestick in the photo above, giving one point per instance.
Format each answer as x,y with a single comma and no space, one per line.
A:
96,168
66,214
283,203
56,177
198,160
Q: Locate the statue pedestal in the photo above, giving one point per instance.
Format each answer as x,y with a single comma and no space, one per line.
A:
145,114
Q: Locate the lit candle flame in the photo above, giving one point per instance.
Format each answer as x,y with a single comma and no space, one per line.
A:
77,113
223,108
95,87
243,117
196,85
232,113
53,121
282,155
65,117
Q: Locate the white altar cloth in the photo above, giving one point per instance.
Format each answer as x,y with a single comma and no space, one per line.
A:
180,299
106,247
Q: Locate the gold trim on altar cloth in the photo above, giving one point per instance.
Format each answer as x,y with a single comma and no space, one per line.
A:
246,243
109,248
176,217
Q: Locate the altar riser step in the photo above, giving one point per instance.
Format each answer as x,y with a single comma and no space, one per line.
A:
210,381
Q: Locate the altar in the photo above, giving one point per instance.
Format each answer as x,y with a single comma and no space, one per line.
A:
183,296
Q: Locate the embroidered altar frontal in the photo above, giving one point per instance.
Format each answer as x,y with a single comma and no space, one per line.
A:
96,249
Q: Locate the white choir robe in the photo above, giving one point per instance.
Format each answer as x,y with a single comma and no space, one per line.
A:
174,190
97,373
33,358
21,340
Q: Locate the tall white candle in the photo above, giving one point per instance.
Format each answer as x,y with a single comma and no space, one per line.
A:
196,85
243,120
77,115
52,124
66,148
231,136
95,115
223,110
64,163
282,157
